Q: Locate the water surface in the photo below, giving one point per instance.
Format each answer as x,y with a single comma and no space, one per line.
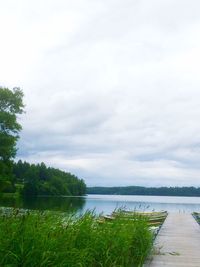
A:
106,203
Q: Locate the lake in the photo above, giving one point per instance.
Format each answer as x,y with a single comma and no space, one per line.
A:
106,203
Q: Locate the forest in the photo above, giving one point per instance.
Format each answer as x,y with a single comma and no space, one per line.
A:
151,191
37,179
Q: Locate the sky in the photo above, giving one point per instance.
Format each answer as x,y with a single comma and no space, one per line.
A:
112,88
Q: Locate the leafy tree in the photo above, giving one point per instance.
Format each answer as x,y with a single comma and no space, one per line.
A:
11,104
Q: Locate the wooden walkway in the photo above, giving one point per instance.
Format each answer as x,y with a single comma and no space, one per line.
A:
178,243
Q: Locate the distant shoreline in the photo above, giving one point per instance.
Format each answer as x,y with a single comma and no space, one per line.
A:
147,191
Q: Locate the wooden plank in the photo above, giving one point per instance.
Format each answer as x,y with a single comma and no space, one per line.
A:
178,243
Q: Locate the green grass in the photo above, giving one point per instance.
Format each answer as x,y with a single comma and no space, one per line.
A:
46,239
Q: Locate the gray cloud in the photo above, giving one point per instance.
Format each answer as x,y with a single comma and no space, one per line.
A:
111,87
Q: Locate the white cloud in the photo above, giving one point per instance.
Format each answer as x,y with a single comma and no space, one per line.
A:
111,87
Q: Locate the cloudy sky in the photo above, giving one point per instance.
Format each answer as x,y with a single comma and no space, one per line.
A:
112,88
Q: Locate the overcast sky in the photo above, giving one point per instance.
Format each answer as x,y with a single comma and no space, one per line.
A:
112,88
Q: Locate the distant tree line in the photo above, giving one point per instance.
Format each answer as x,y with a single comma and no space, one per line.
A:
37,179
151,191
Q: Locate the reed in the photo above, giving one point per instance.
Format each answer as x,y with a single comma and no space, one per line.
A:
53,239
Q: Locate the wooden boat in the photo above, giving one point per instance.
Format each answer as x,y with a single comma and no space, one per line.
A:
153,215
153,219
131,213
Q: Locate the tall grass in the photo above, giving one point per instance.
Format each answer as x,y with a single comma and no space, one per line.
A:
46,239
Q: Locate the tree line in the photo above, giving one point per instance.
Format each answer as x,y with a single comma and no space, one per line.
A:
140,190
28,179
38,179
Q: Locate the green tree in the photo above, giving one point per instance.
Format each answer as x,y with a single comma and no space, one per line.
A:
11,105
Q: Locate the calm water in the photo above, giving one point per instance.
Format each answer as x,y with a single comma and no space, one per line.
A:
106,203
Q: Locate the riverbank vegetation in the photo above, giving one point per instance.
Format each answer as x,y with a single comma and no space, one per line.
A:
149,191
36,239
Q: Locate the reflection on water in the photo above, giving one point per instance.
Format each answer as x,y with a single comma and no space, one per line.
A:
64,204
105,203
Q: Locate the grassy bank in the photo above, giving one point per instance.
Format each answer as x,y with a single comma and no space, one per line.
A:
46,239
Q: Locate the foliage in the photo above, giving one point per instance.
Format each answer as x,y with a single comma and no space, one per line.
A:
151,191
41,180
45,239
11,104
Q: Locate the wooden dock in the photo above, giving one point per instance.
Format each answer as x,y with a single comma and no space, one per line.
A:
178,243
